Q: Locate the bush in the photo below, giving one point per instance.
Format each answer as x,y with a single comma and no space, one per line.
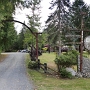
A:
66,60
65,74
33,64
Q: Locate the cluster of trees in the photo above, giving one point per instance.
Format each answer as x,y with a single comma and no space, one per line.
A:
8,35
9,39
65,19
63,25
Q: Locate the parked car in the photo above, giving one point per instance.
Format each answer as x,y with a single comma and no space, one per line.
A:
24,51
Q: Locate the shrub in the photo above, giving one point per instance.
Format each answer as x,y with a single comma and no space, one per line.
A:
65,74
66,60
33,64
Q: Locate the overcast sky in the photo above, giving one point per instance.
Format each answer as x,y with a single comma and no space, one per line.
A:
45,4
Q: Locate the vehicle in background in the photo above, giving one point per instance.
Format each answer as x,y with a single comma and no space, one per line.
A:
25,51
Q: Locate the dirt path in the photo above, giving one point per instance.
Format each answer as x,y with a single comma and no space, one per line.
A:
13,73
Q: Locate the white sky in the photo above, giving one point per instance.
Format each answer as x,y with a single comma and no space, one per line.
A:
45,4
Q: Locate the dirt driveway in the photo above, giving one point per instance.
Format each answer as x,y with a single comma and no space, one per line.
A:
13,73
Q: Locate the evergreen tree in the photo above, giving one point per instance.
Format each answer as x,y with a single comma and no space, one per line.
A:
58,21
21,40
7,36
80,11
7,8
78,8
34,19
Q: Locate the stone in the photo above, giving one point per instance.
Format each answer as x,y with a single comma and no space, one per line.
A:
69,69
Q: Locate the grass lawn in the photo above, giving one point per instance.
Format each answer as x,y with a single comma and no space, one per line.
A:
46,82
49,59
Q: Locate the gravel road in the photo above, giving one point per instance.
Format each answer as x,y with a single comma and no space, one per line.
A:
13,73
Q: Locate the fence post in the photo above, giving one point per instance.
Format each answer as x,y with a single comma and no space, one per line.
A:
38,63
45,67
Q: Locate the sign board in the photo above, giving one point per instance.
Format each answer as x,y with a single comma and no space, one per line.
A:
87,42
78,36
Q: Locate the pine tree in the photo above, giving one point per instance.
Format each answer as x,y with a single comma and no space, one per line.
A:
7,8
58,21
34,17
80,8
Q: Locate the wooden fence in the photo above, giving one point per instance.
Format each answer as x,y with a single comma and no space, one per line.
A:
46,69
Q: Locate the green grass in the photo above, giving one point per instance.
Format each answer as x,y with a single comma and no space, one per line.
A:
49,59
46,82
